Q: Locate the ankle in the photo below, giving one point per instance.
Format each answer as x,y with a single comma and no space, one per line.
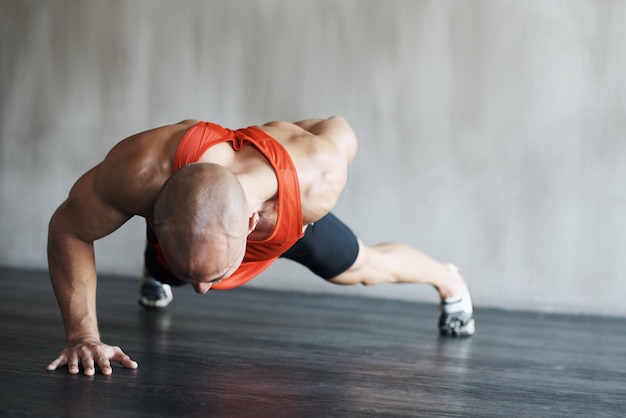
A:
452,285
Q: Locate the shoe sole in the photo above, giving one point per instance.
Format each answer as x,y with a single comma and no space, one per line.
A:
466,330
150,304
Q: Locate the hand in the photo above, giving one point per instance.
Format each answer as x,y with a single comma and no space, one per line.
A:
90,354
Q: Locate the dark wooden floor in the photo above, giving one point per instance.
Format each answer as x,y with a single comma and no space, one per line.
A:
259,353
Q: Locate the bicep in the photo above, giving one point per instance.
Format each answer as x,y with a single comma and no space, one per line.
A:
86,213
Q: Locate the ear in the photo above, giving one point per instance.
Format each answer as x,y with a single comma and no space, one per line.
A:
253,222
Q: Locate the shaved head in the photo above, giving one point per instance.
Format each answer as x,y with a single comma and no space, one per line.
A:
201,221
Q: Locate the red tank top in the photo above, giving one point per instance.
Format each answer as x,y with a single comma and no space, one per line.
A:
259,254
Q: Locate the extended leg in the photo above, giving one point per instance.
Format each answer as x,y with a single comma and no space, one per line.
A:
331,250
399,263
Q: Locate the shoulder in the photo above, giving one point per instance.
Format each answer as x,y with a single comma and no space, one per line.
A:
333,135
133,172
321,150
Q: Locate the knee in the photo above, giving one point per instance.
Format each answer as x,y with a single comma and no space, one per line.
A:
361,272
347,278
353,274
370,268
354,277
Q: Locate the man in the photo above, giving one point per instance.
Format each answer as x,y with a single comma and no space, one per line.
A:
220,207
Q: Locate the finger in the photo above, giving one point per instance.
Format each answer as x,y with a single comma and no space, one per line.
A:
104,364
72,364
59,361
88,365
123,359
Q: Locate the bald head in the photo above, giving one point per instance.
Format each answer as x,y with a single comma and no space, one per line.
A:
201,220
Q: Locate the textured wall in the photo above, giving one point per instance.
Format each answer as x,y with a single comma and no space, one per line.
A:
491,132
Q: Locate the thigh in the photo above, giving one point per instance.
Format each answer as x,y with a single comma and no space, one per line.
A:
328,248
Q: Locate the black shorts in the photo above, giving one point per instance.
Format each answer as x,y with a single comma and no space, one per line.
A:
328,248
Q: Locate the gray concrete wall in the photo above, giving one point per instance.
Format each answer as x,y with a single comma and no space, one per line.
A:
491,132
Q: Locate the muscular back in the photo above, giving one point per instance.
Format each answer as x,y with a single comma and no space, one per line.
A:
321,151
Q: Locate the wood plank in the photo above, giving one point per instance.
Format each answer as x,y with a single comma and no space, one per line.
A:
251,352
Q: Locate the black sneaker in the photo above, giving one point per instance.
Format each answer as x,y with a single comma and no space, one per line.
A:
153,294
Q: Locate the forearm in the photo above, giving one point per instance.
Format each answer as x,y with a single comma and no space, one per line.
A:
73,275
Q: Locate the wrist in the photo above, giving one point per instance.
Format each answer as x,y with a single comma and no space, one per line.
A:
83,339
